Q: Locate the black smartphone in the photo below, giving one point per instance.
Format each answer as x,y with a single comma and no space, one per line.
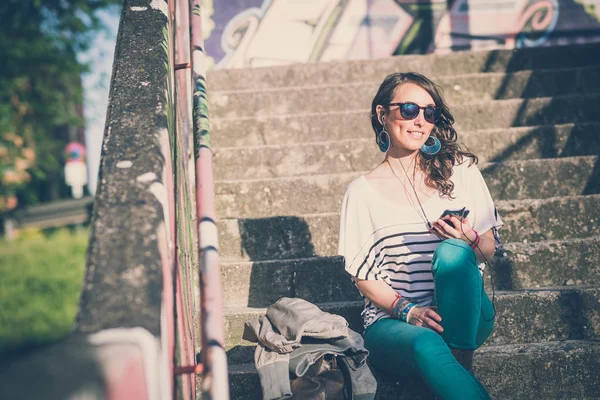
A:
460,214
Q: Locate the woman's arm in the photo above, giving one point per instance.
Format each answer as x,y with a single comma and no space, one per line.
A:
384,297
378,292
487,246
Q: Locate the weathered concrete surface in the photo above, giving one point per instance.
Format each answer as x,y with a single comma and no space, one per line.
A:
123,281
111,364
324,279
64,370
555,370
351,122
560,370
361,153
540,179
527,316
539,264
284,196
555,218
431,65
457,89
129,249
280,238
318,280
515,180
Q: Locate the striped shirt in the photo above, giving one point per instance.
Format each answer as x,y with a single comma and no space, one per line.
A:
384,241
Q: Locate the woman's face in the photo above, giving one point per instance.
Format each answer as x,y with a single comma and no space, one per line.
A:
407,136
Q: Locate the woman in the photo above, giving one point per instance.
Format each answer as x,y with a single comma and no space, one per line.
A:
421,273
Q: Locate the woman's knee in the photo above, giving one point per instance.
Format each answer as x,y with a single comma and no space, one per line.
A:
426,346
452,256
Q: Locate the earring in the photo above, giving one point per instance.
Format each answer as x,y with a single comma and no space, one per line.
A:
383,140
434,148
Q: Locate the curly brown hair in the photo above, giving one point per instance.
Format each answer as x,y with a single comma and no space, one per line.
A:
437,167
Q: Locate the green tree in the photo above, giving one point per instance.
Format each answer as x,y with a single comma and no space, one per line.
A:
40,90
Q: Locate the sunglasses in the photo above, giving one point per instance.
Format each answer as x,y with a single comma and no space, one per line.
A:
411,110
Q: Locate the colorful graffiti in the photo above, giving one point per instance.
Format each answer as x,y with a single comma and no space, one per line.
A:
254,33
592,7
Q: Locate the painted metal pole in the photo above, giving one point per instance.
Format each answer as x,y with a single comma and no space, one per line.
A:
215,379
169,263
185,385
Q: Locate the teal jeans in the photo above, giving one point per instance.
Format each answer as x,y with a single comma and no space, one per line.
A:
467,315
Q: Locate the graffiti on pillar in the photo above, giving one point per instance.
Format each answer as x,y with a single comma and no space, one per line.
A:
288,31
591,7
496,24
254,33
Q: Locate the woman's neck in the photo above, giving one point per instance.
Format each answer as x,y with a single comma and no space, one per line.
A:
403,163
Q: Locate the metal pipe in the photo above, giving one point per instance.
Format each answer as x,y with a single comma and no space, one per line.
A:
214,360
185,311
216,380
170,264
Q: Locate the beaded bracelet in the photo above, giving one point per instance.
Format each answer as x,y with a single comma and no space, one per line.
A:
474,243
399,309
397,312
405,311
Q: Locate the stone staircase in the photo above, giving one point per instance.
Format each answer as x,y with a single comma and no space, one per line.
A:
289,139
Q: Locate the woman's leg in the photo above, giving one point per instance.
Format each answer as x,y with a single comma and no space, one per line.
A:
404,350
466,310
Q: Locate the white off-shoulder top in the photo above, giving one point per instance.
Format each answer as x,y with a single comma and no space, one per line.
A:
384,241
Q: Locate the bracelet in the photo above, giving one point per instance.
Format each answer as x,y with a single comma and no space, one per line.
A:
398,308
405,311
408,313
391,310
474,243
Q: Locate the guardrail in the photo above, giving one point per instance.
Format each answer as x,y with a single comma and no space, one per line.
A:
49,215
187,55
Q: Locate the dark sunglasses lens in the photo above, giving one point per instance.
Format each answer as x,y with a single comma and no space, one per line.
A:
409,110
431,114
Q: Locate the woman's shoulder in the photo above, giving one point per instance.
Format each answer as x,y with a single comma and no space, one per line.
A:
361,186
465,162
463,168
357,186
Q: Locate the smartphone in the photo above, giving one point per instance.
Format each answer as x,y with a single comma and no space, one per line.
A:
460,214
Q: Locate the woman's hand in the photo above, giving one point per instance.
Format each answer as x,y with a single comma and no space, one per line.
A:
426,317
487,244
463,229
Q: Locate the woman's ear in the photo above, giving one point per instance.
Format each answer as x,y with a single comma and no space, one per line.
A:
380,111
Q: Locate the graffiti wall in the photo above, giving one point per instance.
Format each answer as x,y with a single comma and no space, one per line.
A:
254,33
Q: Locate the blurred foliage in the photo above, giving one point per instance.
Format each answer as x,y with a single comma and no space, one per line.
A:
40,90
40,280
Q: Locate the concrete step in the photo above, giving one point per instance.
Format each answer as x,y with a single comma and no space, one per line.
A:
511,180
457,89
352,122
292,237
552,371
548,263
324,279
431,65
361,153
524,316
